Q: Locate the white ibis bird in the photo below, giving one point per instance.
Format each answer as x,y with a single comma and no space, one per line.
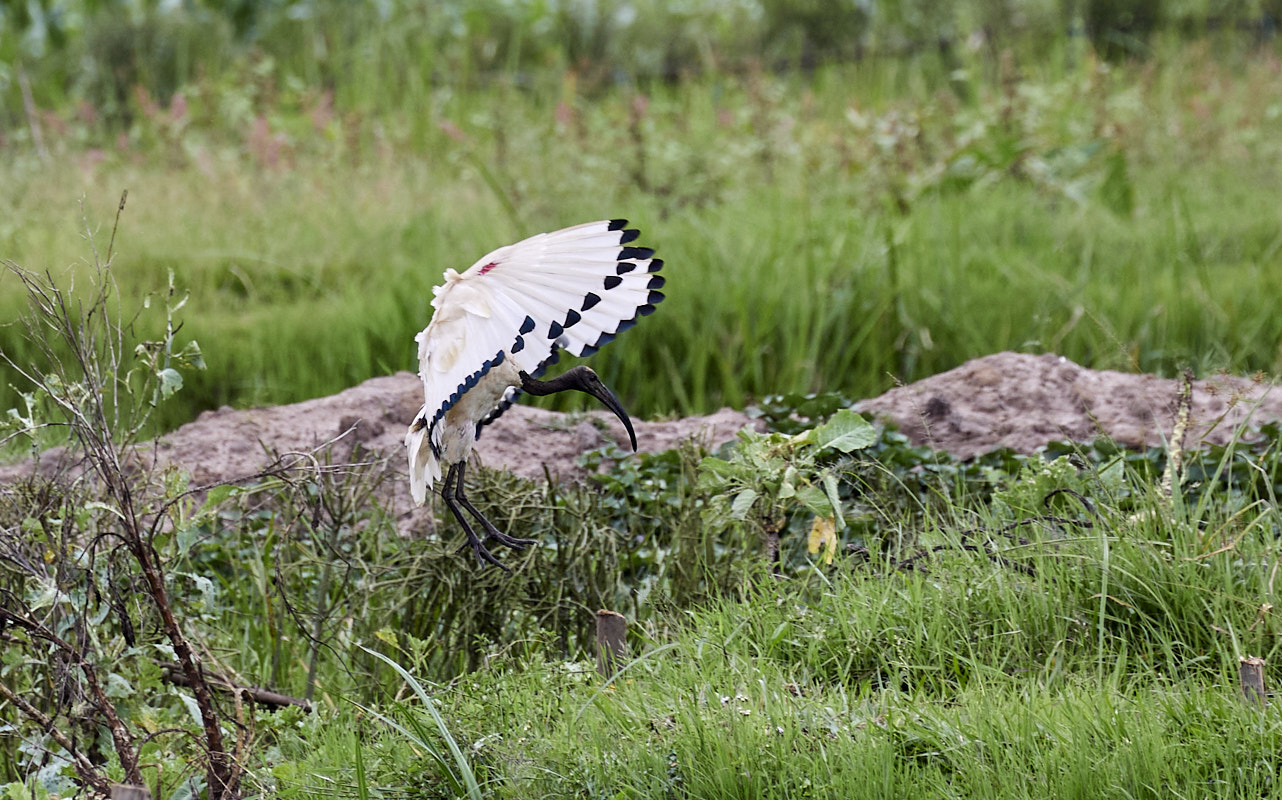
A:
496,327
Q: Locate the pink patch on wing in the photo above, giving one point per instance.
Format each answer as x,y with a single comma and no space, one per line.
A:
489,267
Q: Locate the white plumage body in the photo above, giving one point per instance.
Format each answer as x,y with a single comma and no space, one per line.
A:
510,312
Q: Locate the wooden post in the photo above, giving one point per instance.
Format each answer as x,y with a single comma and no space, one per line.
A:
123,791
1251,678
611,641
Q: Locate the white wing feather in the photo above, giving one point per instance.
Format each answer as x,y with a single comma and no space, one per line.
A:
572,289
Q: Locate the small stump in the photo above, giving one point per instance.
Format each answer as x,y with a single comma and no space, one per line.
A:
1251,678
611,641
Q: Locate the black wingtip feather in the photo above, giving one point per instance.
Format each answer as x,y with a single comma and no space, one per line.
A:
656,282
590,299
629,235
555,330
528,325
625,267
639,253
617,224
655,264
571,318
654,298
612,281
605,339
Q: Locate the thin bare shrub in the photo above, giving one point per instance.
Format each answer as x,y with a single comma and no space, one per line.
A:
85,597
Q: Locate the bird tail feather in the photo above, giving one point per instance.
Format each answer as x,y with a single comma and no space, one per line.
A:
424,468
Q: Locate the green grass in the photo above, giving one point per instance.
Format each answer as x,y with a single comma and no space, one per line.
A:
1100,661
1121,218
1086,658
970,680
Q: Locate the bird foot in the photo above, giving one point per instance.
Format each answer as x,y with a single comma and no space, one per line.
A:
509,541
483,555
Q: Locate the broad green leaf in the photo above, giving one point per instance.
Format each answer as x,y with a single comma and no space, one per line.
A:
206,588
724,469
788,487
191,355
218,495
830,489
170,381
814,500
118,686
97,506
46,596
1113,476
846,431
192,707
187,537
389,636
743,503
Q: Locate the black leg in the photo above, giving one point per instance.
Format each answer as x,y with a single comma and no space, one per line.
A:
455,477
492,533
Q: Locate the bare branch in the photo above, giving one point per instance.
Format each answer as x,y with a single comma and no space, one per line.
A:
84,767
111,245
120,735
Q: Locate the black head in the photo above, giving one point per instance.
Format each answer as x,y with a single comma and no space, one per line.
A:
582,379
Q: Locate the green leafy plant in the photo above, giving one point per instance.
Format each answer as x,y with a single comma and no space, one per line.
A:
81,551
769,474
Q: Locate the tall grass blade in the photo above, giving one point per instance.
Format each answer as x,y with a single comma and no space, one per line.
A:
464,768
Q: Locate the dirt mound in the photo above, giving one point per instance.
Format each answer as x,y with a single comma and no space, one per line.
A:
227,444
1024,401
525,440
1003,400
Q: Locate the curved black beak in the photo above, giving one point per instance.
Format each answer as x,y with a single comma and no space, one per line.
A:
601,392
581,379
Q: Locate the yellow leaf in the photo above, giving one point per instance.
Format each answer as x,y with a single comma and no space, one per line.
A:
823,535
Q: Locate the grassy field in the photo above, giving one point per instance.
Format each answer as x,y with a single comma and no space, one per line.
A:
1098,658
886,228
831,230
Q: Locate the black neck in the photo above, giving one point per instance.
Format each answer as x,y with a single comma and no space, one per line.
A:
570,379
581,379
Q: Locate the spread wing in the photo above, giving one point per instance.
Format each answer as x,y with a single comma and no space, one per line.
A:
573,289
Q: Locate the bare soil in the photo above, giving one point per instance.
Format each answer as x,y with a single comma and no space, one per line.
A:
1003,400
1024,401
368,423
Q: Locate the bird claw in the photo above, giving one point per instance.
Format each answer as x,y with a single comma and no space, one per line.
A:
483,554
510,541
457,503
493,534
